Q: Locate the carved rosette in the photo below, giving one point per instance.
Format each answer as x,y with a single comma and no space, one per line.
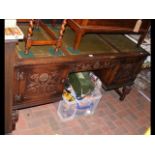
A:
42,83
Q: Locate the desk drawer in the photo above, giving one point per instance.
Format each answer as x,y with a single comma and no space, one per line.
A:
122,73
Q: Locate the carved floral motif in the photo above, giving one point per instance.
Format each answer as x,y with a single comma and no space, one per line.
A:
93,65
39,83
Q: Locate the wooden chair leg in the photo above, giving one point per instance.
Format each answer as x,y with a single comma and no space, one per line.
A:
59,41
125,91
141,39
27,45
37,23
143,35
28,38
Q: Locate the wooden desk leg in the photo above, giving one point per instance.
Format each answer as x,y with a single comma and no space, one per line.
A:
14,119
142,37
77,40
125,90
10,115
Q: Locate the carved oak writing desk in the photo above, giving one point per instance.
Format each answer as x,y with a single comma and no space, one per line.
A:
37,77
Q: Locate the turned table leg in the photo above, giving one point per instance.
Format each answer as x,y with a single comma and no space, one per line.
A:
59,41
37,23
125,91
28,38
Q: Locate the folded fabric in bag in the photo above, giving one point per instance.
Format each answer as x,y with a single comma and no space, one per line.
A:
81,83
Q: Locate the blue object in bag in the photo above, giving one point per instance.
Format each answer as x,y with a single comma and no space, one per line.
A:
90,106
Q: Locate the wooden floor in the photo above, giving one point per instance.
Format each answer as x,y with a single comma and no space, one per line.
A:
131,116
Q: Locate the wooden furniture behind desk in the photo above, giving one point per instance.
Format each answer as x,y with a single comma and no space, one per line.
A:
83,26
35,24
